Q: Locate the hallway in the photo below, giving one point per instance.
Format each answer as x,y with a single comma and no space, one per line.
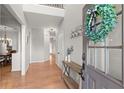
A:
62,46
39,76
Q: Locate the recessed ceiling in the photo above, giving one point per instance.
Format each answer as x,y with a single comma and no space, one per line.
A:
36,20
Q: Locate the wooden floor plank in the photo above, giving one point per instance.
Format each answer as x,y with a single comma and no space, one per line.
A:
44,75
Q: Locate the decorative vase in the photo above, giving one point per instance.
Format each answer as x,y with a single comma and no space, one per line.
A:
69,58
66,58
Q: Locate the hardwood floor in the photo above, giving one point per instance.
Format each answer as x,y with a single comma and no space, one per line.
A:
44,75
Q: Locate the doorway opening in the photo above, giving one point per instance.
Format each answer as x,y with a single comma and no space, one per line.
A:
52,45
10,42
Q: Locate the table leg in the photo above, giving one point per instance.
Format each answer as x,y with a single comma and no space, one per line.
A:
5,60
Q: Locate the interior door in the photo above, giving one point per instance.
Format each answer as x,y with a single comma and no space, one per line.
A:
104,61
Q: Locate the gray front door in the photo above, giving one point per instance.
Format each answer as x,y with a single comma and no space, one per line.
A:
104,61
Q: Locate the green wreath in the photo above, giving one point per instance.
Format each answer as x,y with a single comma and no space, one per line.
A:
108,17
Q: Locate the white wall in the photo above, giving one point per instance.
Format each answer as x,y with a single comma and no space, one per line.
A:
46,44
39,45
72,19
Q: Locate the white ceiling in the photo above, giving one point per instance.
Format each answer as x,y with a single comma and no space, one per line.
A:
36,20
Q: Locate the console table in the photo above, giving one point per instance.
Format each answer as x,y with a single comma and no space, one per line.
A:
72,84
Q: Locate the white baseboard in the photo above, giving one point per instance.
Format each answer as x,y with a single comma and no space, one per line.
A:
26,70
39,61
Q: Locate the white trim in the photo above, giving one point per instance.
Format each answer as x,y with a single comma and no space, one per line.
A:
19,48
42,9
39,61
30,45
23,50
